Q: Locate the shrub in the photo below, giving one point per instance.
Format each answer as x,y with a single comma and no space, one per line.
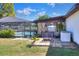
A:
7,33
35,37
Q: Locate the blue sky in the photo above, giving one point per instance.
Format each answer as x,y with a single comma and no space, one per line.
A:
31,11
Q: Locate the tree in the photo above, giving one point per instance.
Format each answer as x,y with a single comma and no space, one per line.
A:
7,9
1,14
43,17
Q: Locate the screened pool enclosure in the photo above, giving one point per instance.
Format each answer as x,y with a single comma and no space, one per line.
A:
22,28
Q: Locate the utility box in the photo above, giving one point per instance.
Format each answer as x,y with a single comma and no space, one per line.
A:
65,36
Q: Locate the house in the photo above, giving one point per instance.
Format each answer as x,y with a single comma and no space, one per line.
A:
43,24
72,22
23,28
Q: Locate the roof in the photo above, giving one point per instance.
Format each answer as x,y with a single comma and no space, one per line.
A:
74,9
12,19
59,18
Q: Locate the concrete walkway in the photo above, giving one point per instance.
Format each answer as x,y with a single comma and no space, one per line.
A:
55,42
42,43
69,45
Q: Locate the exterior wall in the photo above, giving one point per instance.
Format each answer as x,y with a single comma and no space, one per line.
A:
72,25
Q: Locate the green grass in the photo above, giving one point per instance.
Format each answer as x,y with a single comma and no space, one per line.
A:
62,52
10,47
20,48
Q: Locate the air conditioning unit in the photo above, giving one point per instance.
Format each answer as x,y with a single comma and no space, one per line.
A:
65,36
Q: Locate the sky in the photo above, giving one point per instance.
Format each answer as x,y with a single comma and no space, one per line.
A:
31,11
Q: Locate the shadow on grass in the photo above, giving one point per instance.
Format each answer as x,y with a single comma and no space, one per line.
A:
51,52
62,52
29,45
56,51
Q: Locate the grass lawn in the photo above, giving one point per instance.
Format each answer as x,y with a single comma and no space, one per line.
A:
20,48
62,52
10,47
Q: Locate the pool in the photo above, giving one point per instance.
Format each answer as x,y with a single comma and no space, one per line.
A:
21,34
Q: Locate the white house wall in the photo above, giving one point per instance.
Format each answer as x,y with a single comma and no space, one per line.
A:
72,25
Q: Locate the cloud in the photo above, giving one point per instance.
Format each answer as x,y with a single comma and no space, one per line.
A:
56,14
19,11
41,13
51,4
26,11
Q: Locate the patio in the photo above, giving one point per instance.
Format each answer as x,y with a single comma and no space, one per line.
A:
55,42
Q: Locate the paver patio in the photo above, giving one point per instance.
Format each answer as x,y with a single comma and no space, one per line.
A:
55,42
